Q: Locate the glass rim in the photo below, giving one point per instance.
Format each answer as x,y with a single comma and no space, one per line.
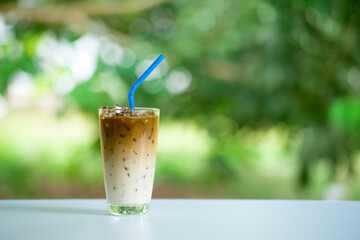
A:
136,108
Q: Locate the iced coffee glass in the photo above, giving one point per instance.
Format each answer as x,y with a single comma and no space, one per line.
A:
128,146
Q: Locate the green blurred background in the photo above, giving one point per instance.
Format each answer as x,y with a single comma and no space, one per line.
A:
258,99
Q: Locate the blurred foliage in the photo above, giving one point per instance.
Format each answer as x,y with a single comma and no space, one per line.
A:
262,96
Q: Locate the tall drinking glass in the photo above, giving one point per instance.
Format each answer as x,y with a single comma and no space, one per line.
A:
128,146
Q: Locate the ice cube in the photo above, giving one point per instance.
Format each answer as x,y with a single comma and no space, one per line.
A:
119,111
109,113
150,113
128,112
147,113
134,113
118,106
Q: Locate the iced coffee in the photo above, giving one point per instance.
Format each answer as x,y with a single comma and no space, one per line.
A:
128,144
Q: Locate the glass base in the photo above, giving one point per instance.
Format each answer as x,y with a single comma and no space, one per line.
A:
128,210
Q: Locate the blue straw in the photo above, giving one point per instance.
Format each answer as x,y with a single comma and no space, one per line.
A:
141,79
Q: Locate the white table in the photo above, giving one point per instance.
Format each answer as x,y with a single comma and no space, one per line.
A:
181,219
